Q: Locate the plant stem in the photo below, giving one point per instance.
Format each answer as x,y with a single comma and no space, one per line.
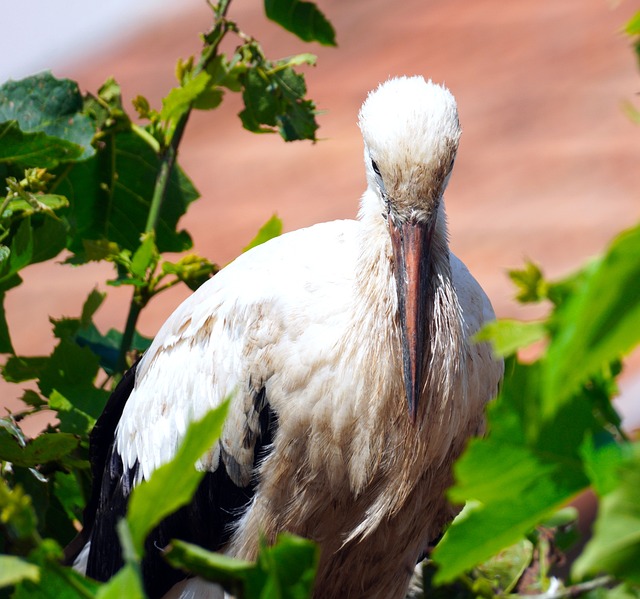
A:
168,157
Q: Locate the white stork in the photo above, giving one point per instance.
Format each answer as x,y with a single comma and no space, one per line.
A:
349,348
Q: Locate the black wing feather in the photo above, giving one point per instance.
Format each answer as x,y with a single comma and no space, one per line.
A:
208,520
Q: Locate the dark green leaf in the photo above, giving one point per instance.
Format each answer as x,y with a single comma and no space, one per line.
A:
50,109
111,193
48,447
150,502
68,491
126,583
304,19
272,228
231,572
531,284
19,369
273,95
90,306
67,380
34,149
6,346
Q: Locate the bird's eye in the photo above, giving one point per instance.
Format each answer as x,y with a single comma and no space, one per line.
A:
375,168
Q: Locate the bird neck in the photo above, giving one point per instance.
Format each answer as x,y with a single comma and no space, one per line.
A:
378,309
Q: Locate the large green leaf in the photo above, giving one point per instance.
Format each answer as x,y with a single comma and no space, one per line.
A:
599,322
521,473
41,122
304,19
110,196
615,545
150,502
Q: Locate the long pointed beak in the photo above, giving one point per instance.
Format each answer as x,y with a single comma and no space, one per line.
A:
411,249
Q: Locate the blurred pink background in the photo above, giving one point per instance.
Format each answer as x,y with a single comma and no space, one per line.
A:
547,167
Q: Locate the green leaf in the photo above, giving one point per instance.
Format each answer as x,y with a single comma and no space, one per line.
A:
505,569
508,336
632,26
56,582
144,257
110,197
52,128
200,92
521,473
126,583
598,324
16,511
19,369
290,566
530,283
6,347
68,491
34,149
90,307
303,19
602,460
231,572
47,447
272,228
284,571
35,239
14,570
615,545
150,502
67,380
273,96
192,269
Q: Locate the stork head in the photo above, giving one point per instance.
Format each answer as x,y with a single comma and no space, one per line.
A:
411,130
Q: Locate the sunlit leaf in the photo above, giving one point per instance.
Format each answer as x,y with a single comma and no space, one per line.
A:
126,583
599,323
14,570
508,336
272,228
